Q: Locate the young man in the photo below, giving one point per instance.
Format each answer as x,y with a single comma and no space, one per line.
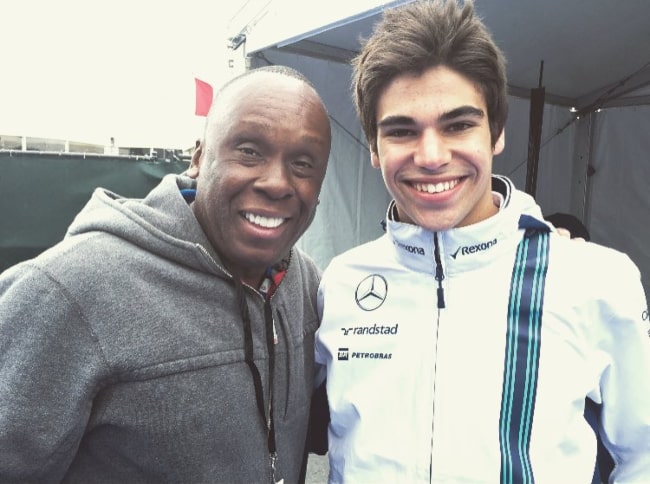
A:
170,339
461,345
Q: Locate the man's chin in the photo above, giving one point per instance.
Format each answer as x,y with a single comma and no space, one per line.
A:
258,264
437,223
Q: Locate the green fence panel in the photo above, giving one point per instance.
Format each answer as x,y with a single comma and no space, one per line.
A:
41,193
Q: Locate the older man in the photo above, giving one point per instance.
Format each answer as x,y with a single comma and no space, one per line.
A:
170,339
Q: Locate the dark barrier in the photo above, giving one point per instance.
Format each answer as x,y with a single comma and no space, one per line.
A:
40,193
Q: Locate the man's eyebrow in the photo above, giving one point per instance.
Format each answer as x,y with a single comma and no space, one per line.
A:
394,120
462,111
449,115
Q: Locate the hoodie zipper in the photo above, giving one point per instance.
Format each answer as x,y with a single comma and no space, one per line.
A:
270,331
440,275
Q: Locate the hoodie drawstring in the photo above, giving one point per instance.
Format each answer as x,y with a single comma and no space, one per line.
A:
255,373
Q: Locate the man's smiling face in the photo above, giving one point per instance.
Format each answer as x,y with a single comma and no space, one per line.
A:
434,149
261,169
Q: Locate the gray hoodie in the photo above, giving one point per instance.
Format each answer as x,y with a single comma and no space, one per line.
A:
122,355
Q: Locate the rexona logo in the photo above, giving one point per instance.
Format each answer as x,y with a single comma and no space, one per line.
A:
472,249
411,249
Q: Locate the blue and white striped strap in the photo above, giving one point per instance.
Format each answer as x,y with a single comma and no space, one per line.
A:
523,344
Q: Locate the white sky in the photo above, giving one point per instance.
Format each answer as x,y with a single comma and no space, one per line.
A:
88,70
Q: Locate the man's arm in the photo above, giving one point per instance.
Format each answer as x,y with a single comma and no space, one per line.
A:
625,386
47,360
319,418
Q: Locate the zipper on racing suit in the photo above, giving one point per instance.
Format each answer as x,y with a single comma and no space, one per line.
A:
440,275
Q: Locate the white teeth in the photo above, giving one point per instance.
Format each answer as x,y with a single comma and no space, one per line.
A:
266,222
435,187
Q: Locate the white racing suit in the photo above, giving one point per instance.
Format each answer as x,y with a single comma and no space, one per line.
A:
467,355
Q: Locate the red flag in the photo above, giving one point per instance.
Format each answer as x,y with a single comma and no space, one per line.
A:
203,97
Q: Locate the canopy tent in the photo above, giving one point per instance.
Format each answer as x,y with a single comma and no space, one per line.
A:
593,160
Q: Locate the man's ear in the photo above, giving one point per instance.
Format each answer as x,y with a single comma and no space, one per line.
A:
195,164
501,143
374,159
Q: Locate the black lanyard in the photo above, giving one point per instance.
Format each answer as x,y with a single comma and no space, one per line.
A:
255,373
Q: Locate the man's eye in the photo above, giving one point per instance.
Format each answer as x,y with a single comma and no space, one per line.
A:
399,133
303,167
248,151
460,126
303,163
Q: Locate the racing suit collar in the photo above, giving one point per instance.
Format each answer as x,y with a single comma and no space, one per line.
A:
469,247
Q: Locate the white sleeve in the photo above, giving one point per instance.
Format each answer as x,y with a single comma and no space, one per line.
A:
320,359
625,385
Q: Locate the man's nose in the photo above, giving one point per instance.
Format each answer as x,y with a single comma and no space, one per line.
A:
432,150
275,179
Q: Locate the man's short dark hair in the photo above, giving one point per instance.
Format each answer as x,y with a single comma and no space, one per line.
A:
424,34
569,222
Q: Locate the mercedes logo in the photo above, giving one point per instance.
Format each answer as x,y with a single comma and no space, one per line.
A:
371,292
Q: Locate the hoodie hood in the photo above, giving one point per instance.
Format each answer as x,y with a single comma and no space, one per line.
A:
161,223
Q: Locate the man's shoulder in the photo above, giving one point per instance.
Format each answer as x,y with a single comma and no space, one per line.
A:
64,256
371,251
577,254
362,258
590,269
